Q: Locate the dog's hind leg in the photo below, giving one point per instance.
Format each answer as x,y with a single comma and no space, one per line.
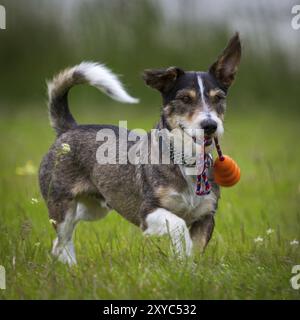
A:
63,247
162,221
66,215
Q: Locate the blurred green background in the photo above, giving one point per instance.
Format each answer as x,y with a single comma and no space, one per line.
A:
43,37
261,133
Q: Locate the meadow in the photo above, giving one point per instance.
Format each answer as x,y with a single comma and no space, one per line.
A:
256,240
250,255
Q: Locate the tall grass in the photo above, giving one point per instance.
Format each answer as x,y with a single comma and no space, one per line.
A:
116,261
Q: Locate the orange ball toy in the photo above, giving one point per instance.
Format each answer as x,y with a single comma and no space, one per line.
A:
226,171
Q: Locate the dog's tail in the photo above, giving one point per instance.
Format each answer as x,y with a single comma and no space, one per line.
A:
96,75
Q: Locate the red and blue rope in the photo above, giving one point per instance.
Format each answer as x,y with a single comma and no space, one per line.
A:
203,186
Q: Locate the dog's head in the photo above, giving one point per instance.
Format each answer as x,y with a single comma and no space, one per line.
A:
197,100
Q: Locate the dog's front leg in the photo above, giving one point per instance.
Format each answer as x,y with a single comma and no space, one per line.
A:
162,221
201,231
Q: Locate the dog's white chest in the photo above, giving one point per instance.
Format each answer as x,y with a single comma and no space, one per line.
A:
187,204
190,206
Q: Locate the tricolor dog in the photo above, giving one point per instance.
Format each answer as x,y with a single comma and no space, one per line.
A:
158,198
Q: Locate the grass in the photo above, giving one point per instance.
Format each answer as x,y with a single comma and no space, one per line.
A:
116,262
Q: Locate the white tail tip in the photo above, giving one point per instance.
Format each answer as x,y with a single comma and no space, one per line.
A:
102,78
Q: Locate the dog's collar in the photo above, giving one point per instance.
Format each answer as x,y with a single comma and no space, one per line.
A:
179,158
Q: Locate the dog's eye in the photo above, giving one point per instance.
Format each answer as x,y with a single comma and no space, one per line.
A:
186,99
218,97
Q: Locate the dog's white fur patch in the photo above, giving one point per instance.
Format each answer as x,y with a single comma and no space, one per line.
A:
206,111
102,78
201,87
65,253
162,221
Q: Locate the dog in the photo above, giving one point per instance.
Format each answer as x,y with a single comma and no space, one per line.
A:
158,198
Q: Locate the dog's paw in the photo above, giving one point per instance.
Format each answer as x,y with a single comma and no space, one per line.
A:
65,253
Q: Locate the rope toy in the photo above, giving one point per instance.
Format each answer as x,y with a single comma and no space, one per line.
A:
226,171
203,186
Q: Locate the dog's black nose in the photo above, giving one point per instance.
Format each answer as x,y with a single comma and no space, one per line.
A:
209,126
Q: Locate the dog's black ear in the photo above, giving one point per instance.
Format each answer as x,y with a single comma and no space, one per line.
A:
225,68
162,79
